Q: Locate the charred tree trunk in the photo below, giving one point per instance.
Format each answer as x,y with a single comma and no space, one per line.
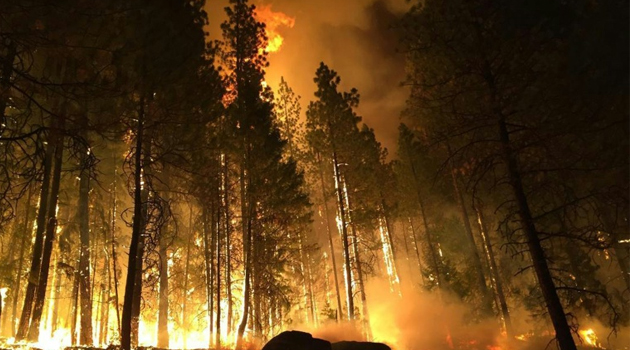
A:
207,249
344,237
218,230
26,234
494,270
329,234
416,248
539,259
163,336
75,307
228,240
136,236
33,276
191,233
114,263
85,287
51,227
474,253
357,262
247,242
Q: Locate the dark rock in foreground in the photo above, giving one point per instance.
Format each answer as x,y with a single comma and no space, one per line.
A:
295,340
358,345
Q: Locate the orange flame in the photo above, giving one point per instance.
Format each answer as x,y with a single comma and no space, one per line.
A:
273,21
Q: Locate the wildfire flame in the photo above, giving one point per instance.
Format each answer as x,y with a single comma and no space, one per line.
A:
273,21
589,337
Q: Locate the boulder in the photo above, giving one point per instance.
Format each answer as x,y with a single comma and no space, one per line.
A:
296,340
359,345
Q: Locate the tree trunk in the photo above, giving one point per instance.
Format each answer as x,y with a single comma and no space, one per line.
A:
554,306
85,287
75,307
473,253
207,249
329,234
191,233
115,257
344,237
136,236
357,261
26,234
218,230
163,336
494,270
247,240
51,227
33,277
228,250
416,248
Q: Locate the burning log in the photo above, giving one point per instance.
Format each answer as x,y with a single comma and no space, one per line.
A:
296,340
358,345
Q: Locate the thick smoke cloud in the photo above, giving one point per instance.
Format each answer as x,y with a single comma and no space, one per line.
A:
355,38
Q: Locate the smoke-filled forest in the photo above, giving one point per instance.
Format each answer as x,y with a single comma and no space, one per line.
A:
157,191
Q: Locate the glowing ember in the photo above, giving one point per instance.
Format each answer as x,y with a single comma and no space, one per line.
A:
273,21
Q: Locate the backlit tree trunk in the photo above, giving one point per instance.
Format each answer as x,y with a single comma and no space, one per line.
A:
539,259
85,288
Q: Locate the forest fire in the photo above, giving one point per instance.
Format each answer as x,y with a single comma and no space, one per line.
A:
157,192
273,21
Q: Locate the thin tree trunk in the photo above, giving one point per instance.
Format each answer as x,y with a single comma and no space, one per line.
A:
358,267
554,306
207,244
191,233
75,307
85,287
228,250
163,336
416,248
494,270
103,327
51,227
136,235
247,240
114,263
56,298
26,234
38,245
474,253
218,230
344,238
329,234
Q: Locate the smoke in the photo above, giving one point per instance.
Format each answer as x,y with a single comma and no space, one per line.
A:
356,38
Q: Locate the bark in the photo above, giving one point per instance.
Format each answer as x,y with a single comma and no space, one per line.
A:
539,259
104,316
33,276
207,248
55,298
434,259
330,239
24,242
217,341
163,336
85,287
51,227
494,271
136,235
416,248
473,252
115,257
75,308
228,256
344,237
247,240
358,267
191,233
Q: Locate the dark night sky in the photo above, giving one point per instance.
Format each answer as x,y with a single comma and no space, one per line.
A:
355,38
